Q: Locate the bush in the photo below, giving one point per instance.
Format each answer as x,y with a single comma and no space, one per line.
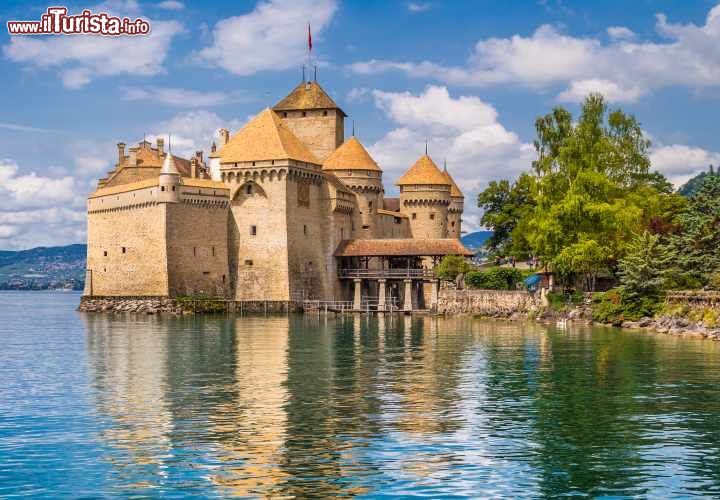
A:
615,306
561,301
495,278
452,265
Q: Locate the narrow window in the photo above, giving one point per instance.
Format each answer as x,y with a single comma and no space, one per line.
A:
452,224
248,263
253,230
304,114
414,216
342,233
213,251
432,216
194,251
223,279
248,189
325,113
366,227
285,114
370,206
173,188
104,253
162,188
123,249
305,230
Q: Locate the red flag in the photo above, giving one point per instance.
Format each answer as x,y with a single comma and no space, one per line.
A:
309,39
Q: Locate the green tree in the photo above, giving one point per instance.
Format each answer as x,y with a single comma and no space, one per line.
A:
504,205
452,265
645,267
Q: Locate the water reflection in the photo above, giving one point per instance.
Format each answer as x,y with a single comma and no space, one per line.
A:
324,406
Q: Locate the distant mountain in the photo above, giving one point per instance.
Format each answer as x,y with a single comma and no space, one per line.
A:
476,240
43,268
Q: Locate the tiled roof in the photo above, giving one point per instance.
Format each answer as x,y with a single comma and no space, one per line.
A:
307,95
265,138
423,172
338,183
401,247
392,204
454,189
203,183
351,155
124,188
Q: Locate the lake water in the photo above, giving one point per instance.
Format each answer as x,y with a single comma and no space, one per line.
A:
145,406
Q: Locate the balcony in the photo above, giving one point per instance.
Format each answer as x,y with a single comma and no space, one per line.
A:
386,274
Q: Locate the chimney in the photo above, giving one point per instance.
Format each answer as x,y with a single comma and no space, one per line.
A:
213,148
225,135
193,167
161,146
199,156
121,152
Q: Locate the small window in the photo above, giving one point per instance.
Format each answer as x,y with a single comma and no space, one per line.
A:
124,249
248,189
370,206
342,233
397,220
366,227
253,164
432,216
305,230
304,114
452,224
253,230
173,188
414,216
248,262
104,253
162,188
223,278
213,251
325,113
206,273
285,114
194,251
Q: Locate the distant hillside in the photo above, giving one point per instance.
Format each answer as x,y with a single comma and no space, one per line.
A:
695,183
476,240
43,268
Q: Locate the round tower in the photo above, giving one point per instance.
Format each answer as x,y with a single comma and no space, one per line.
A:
169,181
352,164
425,199
455,210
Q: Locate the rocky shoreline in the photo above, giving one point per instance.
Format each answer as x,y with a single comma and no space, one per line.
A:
140,305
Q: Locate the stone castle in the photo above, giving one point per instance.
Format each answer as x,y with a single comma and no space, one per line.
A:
285,210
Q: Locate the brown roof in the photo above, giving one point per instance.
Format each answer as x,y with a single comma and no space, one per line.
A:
202,183
338,183
351,155
390,212
392,204
454,189
124,188
423,172
307,95
265,138
401,247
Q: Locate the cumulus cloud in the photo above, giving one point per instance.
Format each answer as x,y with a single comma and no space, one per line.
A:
548,58
171,5
620,33
192,131
465,130
272,37
39,210
183,98
679,162
79,59
580,89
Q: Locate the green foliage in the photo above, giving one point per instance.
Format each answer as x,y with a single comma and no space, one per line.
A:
495,278
562,302
201,303
615,306
693,185
644,268
503,207
452,265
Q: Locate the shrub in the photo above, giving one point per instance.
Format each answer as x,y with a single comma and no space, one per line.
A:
495,278
452,265
562,301
616,306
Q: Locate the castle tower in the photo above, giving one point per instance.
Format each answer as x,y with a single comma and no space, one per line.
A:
169,181
314,118
455,210
425,199
355,167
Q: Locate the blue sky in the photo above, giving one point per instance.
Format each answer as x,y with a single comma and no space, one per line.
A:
470,76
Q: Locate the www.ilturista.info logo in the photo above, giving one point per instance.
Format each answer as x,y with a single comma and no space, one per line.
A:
57,22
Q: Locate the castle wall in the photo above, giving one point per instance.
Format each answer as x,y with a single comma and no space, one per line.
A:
258,264
197,245
126,245
391,226
427,210
320,130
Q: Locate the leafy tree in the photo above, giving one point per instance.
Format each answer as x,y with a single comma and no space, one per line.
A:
452,265
495,278
644,269
504,206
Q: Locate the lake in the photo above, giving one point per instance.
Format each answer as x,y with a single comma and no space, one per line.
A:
220,406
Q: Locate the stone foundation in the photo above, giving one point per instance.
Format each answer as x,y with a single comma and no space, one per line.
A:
496,303
147,305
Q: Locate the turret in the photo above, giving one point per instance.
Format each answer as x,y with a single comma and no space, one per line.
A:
455,210
425,199
169,181
356,168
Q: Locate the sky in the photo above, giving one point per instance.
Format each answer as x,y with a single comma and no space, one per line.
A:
470,77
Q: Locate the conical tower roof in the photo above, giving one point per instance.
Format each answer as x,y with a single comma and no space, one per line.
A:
168,166
307,95
265,138
454,189
423,172
351,155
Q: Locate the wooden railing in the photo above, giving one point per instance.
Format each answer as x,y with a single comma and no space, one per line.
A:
387,273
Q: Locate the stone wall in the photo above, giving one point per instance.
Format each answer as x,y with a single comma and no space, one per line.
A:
487,302
320,130
145,305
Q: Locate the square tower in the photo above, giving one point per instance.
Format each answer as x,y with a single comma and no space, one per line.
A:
314,118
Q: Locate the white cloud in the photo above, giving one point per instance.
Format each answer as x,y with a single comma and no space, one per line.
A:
620,33
464,129
679,162
271,37
548,59
183,98
39,210
79,59
579,90
192,131
418,7
171,5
